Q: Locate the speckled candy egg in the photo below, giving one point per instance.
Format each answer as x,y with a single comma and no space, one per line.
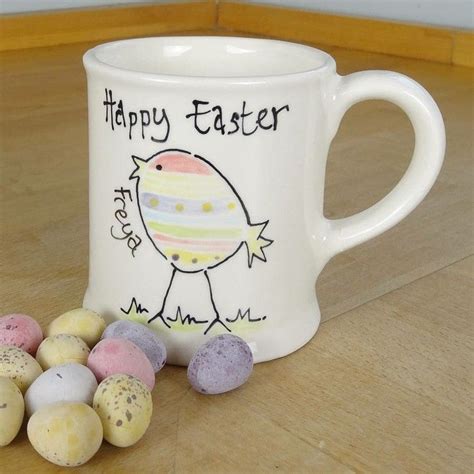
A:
62,349
62,383
223,363
21,331
12,409
80,322
19,366
66,433
142,337
120,356
124,405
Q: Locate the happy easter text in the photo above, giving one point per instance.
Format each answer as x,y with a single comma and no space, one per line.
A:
154,123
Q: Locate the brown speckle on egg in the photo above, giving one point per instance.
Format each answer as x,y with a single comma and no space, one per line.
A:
124,411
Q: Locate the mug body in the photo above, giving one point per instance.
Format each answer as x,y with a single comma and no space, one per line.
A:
207,160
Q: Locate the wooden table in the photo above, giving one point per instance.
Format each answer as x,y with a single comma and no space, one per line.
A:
384,387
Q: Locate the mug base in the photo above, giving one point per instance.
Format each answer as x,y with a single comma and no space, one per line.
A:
272,343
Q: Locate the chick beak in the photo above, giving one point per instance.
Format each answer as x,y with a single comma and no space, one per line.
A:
140,163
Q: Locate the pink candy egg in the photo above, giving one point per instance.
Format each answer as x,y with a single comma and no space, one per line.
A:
120,356
21,331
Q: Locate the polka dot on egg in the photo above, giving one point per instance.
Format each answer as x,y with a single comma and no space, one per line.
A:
207,207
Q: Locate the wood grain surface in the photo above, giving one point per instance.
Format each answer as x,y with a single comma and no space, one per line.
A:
384,387
50,28
445,45
367,34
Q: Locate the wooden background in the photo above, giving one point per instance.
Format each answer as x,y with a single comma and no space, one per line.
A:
445,45
386,386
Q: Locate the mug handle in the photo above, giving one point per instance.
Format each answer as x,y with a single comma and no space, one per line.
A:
425,165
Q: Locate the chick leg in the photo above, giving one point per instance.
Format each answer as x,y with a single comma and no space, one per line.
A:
217,319
160,312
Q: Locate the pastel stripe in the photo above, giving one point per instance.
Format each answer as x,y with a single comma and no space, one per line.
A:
175,240
197,243
233,219
185,182
197,232
188,192
169,204
177,161
170,177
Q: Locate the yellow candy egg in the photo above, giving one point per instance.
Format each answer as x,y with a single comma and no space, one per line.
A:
18,366
62,349
65,433
124,406
80,322
12,409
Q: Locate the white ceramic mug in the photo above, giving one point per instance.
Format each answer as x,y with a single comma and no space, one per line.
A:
207,167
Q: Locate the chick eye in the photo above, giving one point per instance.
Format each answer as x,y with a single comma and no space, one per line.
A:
159,167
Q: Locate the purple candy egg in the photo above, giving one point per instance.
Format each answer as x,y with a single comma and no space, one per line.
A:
221,364
142,337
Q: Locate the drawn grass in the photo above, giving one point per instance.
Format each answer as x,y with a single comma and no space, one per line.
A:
242,323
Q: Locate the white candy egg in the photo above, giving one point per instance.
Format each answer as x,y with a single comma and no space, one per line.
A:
62,383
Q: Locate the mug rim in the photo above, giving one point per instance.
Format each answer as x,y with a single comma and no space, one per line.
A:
94,64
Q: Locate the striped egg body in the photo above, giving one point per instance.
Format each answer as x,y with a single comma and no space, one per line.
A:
191,213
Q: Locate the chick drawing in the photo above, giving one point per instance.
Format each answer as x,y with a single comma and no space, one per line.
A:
194,217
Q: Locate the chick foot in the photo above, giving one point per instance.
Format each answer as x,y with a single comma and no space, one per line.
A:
160,316
217,320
